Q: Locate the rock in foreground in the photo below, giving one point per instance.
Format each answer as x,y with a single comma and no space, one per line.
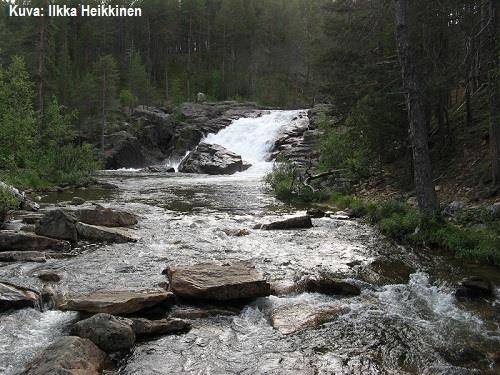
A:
300,222
112,334
70,355
117,301
213,282
106,217
11,240
57,224
15,297
212,159
104,234
295,318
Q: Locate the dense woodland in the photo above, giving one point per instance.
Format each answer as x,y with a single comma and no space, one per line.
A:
402,76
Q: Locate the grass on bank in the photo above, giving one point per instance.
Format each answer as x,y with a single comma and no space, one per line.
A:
399,220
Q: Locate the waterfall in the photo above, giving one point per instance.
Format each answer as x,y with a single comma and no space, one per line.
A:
253,138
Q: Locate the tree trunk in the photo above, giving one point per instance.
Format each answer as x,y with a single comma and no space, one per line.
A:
424,185
494,90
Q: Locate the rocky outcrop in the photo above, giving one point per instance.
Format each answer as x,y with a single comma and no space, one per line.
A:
117,301
16,297
70,355
12,241
106,217
300,222
212,159
104,234
111,334
58,224
295,318
123,150
213,282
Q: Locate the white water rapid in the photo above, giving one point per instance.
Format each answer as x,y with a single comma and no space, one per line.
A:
253,138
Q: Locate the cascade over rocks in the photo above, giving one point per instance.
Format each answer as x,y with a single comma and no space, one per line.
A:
213,282
58,224
117,301
11,240
106,217
212,159
70,355
16,297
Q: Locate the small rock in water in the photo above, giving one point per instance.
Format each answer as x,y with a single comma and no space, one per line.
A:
300,222
146,328
475,287
315,213
111,334
23,256
106,217
209,281
236,232
49,276
16,297
70,355
329,286
77,201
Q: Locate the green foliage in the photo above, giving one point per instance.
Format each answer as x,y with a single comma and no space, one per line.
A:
7,202
127,99
137,78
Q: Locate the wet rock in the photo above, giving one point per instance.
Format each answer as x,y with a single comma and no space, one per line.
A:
11,240
295,318
70,355
159,169
236,232
77,201
123,151
146,328
118,301
111,334
330,286
316,213
209,281
31,218
16,297
49,277
383,271
193,313
300,222
58,224
104,234
23,256
106,217
212,159
475,287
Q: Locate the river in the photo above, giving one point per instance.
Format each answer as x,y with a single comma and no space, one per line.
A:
414,326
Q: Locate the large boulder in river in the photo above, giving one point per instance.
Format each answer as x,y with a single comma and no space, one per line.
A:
212,159
117,301
300,222
58,224
213,282
16,297
329,286
12,240
123,150
70,355
106,217
112,334
104,234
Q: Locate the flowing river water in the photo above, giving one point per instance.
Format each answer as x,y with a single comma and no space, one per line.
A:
396,326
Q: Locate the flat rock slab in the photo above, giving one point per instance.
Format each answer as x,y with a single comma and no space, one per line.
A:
213,282
299,317
117,302
146,328
106,217
23,256
11,241
16,297
104,234
300,222
70,355
57,224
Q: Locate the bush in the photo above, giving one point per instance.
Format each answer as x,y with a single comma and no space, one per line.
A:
7,202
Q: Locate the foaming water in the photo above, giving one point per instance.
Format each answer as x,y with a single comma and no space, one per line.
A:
254,138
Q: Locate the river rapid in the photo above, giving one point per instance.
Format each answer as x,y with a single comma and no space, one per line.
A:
398,325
